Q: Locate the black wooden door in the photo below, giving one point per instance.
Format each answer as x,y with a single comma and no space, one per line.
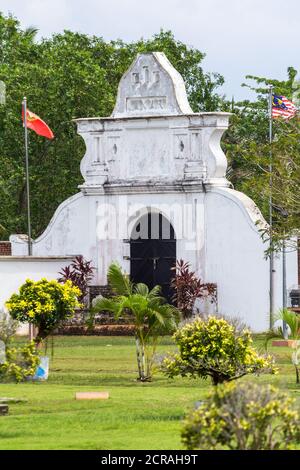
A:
153,253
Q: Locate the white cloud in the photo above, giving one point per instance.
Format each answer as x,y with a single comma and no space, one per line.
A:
239,36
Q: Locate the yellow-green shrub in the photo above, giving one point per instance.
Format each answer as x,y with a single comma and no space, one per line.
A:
217,349
20,362
44,303
243,417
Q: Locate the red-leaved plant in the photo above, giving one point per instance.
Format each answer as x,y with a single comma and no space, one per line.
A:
80,272
188,287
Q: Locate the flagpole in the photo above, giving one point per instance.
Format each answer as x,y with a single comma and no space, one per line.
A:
272,271
29,243
27,178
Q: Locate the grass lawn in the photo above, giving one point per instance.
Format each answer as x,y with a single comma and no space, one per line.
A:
136,416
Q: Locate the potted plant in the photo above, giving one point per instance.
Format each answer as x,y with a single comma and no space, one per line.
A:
292,321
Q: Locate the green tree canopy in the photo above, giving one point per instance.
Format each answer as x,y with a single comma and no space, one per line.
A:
73,75
248,150
69,75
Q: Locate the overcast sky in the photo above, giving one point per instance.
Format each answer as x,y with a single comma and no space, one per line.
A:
239,37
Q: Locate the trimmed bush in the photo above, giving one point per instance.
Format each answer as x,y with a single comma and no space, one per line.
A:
243,417
217,349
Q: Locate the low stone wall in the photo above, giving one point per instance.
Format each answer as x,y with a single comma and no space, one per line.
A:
94,291
104,323
97,330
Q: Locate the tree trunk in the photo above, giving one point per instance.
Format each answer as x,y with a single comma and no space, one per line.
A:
144,375
41,335
297,375
138,356
143,378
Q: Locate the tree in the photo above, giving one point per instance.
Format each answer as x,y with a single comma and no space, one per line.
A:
243,417
69,75
248,150
216,349
45,304
150,314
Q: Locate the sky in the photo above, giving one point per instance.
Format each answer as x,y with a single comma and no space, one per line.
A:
239,37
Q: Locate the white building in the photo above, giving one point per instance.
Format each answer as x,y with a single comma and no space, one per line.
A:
153,155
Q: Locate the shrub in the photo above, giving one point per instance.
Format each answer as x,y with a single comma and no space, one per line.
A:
188,288
45,304
216,349
243,417
20,362
80,272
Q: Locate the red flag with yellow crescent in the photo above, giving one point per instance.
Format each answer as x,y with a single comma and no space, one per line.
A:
35,123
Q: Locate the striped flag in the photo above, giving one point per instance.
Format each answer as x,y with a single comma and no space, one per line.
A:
282,107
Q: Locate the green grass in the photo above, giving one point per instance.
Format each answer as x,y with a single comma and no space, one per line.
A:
136,416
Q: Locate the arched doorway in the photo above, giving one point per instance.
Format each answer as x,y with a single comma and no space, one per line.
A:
153,252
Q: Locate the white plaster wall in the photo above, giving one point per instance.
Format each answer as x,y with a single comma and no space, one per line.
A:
216,233
153,149
70,232
183,210
236,261
15,270
155,153
99,227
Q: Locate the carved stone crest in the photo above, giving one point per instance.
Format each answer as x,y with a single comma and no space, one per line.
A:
151,86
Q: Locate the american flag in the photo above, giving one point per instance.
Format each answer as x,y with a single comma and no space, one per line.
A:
282,107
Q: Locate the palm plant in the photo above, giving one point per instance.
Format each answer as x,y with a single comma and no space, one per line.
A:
292,320
150,313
